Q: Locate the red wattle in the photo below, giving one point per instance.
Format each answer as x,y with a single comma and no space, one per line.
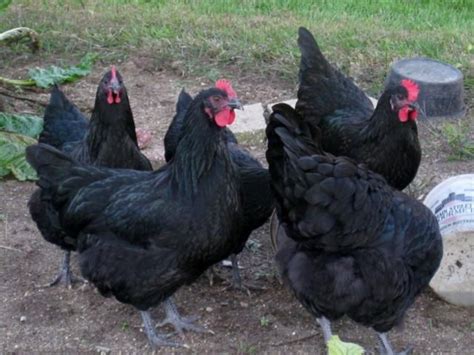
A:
117,99
403,114
225,118
110,98
413,115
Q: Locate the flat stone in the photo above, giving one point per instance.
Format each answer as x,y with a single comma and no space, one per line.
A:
249,119
373,100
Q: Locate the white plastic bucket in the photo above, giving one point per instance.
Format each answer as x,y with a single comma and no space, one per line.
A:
452,202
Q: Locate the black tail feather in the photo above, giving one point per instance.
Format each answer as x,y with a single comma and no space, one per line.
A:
323,88
292,132
173,134
311,55
184,100
63,122
48,162
289,138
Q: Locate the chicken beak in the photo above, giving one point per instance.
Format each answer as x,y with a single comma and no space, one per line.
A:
416,107
115,86
234,103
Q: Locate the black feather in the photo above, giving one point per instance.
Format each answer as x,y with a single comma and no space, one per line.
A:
348,243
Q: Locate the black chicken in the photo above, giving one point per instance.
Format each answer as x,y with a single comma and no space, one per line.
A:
107,140
350,244
257,199
142,235
385,139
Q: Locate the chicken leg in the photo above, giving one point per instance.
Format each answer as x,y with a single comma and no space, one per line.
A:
65,274
180,323
155,339
386,347
236,282
236,279
326,327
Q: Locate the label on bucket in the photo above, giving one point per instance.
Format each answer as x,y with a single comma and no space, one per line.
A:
453,204
455,212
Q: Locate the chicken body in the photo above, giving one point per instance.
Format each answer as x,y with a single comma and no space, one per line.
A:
142,235
350,244
257,198
349,125
108,139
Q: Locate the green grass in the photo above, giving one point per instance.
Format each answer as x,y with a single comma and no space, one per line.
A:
459,138
257,38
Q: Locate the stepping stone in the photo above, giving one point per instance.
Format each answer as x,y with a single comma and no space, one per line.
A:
249,119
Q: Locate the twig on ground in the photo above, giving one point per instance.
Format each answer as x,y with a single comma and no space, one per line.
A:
35,101
10,248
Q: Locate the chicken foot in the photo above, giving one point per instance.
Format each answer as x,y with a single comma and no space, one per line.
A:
65,274
236,279
386,347
155,339
179,322
236,282
326,327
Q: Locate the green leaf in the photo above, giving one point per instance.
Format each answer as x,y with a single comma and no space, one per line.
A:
12,156
4,4
28,125
338,347
45,78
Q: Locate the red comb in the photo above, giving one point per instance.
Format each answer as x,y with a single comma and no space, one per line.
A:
114,72
225,86
412,89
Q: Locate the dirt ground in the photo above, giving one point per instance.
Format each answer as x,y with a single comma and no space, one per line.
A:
37,319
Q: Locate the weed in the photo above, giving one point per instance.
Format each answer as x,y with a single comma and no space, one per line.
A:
459,139
253,245
264,321
246,349
125,326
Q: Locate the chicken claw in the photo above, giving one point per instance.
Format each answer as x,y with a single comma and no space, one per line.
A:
180,323
386,347
65,274
157,340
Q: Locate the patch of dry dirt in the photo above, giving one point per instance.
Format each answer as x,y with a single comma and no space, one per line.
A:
35,319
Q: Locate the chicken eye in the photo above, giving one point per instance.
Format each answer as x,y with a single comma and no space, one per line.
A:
217,98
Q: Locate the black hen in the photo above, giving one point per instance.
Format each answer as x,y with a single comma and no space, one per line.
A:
385,139
350,244
107,140
257,199
142,235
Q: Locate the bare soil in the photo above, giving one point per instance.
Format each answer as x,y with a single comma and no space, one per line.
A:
38,319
